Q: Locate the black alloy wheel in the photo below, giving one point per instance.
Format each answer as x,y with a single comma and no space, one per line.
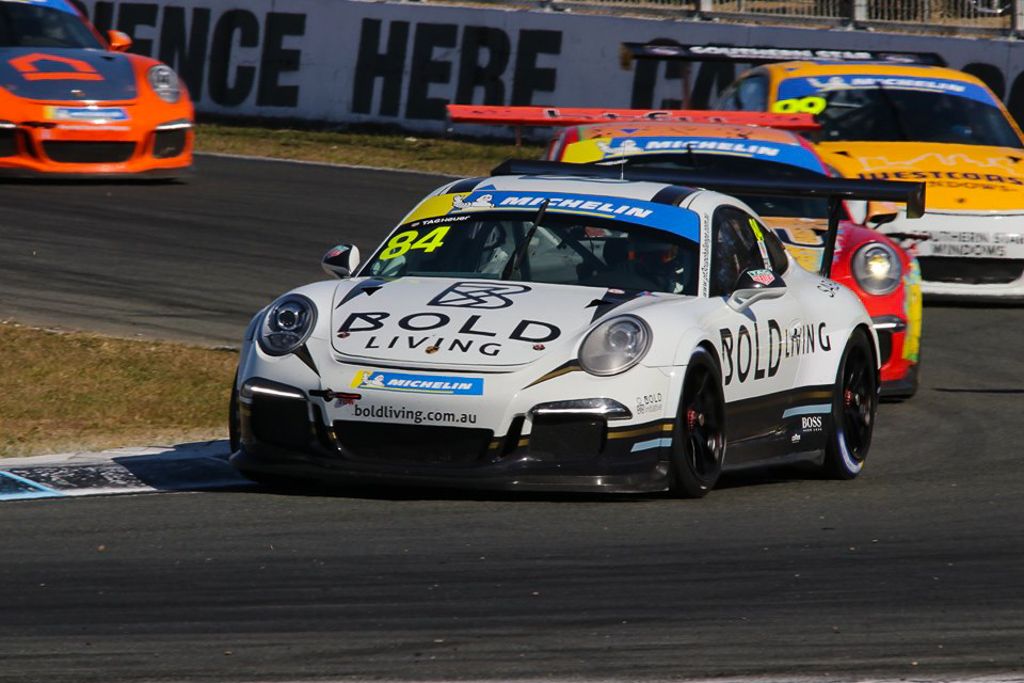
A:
853,409
698,443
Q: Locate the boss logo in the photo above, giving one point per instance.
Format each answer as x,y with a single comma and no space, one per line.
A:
811,424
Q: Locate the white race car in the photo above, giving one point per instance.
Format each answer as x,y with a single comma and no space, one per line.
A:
564,332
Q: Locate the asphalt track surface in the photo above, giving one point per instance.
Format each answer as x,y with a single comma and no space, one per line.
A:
915,570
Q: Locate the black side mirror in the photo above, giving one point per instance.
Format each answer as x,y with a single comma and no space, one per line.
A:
341,260
755,285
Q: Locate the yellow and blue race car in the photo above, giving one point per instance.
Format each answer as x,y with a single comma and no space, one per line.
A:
899,116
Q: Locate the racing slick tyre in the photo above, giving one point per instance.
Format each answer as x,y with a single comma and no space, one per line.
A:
854,403
234,419
698,437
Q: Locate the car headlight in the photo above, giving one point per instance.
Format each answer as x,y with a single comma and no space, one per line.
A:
876,267
164,83
615,346
287,324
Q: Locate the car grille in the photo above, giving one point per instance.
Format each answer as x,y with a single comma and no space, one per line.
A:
970,271
412,444
8,142
884,346
169,143
64,152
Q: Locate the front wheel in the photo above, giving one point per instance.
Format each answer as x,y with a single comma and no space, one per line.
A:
234,418
698,437
854,403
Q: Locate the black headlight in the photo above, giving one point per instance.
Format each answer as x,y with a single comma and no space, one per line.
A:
287,325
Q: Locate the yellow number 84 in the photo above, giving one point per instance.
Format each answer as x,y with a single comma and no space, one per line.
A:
800,105
404,241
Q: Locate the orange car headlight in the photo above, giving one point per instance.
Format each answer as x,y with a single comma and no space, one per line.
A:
164,83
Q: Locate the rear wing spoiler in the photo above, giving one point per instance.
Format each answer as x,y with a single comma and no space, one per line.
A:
765,55
835,190
578,116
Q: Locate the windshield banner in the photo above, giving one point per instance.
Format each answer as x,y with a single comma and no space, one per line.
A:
664,217
802,87
793,155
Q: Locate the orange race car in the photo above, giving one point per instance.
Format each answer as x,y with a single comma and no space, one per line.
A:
71,103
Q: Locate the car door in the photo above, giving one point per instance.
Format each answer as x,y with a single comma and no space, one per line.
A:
759,347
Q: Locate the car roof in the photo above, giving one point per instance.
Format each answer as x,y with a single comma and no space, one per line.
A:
782,70
619,140
61,5
684,128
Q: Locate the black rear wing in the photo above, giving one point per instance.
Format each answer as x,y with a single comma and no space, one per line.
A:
835,190
766,54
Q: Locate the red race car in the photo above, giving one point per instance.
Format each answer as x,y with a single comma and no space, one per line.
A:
885,277
72,103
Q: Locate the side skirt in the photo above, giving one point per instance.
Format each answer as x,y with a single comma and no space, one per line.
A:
767,428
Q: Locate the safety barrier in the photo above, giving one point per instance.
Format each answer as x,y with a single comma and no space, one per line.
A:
997,17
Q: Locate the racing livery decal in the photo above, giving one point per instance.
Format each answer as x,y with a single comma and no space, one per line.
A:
418,384
741,350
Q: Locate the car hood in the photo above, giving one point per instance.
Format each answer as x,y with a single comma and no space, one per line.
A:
67,74
959,177
465,323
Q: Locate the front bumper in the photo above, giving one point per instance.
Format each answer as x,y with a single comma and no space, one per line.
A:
291,433
977,256
33,149
898,362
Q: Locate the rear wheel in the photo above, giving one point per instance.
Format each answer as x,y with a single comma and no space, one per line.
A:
698,443
854,404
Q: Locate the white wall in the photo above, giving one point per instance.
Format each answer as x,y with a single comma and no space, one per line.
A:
353,61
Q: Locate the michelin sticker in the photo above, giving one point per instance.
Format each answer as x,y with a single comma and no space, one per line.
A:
459,202
418,384
801,87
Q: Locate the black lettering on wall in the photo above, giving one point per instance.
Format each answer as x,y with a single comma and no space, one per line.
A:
645,77
276,59
1015,103
130,17
712,78
103,17
229,89
473,74
371,64
528,78
186,54
992,77
425,70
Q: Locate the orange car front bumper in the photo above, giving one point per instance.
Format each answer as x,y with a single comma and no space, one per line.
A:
75,139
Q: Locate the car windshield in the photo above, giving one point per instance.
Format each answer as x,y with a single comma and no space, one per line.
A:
782,207
29,25
886,114
562,249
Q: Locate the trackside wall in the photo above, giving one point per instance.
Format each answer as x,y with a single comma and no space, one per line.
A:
348,61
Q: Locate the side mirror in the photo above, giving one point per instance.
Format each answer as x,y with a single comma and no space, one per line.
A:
880,213
341,260
753,286
119,41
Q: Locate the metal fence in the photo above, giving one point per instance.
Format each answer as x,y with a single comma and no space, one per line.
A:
985,17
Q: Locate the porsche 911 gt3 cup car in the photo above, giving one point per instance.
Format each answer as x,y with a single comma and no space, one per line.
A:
882,274
898,116
563,329
72,103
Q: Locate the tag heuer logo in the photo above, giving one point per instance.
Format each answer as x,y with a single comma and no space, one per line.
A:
477,295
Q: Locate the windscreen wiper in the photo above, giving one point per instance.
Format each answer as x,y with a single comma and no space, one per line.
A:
521,250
